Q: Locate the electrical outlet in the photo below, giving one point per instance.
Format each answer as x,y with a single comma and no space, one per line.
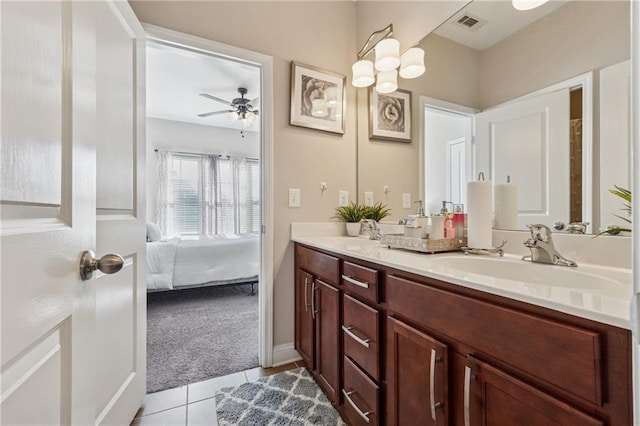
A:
368,199
406,200
343,198
294,197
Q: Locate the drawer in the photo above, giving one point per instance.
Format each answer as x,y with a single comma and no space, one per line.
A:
361,281
361,396
559,354
361,335
321,265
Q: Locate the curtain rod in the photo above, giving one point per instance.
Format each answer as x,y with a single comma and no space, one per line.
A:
195,153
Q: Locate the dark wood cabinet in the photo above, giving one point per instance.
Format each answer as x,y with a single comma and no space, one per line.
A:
327,366
417,377
317,317
391,347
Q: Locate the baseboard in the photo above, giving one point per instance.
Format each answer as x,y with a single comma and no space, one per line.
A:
284,354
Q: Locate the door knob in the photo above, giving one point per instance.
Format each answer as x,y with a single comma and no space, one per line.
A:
108,264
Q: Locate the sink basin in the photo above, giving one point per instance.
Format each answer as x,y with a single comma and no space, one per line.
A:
515,269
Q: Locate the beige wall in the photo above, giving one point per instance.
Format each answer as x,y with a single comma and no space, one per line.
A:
579,37
315,33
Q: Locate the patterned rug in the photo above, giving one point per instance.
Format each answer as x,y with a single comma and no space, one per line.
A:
287,398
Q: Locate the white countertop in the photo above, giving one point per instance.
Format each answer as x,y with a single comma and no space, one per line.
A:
605,298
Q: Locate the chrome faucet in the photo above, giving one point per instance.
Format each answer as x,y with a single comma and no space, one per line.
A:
371,226
542,249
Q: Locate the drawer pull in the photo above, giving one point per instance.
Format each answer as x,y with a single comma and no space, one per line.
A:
355,282
365,416
468,378
432,385
306,297
363,342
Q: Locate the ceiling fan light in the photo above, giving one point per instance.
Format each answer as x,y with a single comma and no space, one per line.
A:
362,74
387,54
527,4
412,63
387,81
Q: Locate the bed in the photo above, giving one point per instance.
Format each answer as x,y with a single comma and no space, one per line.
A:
182,263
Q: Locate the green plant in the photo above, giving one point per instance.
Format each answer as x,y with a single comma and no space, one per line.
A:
377,212
625,194
352,212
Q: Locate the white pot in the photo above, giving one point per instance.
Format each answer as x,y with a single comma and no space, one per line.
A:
353,229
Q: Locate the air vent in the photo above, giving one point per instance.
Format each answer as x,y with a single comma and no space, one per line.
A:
469,22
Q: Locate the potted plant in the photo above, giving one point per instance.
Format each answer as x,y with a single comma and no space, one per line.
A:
377,212
625,194
352,214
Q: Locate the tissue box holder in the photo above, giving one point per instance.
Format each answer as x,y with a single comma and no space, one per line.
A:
422,245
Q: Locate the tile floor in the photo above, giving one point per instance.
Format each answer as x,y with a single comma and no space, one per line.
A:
195,404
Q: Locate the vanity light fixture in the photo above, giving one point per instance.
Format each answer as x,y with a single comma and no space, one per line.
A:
387,61
527,4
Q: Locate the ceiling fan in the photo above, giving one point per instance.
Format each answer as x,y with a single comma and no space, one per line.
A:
243,107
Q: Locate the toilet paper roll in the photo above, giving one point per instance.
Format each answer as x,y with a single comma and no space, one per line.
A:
506,205
479,211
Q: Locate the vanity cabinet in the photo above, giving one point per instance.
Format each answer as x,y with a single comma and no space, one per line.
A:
317,317
417,350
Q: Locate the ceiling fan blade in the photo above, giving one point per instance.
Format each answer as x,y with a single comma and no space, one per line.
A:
207,114
213,98
255,101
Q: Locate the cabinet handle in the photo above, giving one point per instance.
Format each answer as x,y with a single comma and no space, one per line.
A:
365,416
355,282
363,342
468,378
306,298
432,385
314,311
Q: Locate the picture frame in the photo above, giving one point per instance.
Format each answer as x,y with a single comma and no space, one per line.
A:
390,115
317,98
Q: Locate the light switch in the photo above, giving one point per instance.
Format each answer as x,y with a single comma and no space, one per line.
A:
343,198
406,200
294,197
368,199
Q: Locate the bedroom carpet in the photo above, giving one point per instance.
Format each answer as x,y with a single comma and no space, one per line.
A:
198,334
287,398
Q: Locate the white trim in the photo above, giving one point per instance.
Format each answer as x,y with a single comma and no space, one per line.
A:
635,143
265,63
285,354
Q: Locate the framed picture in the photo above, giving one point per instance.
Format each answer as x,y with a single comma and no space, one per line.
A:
317,98
390,115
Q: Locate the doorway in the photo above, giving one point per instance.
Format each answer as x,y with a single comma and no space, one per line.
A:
232,155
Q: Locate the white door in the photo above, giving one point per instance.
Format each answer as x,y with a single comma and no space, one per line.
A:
456,171
121,308
52,333
529,141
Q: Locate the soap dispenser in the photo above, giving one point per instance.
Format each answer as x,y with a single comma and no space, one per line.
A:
421,219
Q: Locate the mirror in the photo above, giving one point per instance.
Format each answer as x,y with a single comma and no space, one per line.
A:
560,46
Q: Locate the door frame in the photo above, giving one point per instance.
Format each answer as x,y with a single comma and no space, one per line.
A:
265,64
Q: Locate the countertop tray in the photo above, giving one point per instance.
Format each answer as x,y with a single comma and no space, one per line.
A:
422,245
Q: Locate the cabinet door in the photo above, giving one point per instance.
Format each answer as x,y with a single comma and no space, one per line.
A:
327,316
304,341
416,375
491,396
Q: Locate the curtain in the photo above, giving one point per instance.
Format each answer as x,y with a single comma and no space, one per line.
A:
164,193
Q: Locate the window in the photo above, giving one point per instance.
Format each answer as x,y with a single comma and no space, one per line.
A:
207,195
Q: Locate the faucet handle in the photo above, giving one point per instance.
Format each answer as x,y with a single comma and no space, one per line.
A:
540,232
577,227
